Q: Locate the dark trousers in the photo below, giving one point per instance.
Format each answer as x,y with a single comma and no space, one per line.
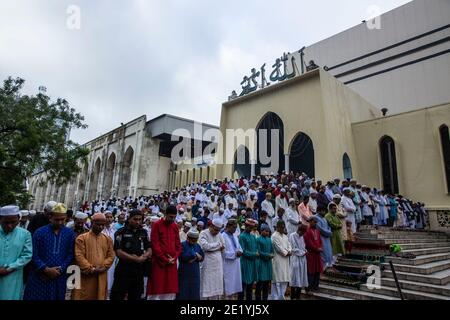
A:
369,220
295,293
131,287
262,290
313,280
248,290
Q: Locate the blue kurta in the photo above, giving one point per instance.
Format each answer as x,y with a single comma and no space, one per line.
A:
15,252
265,249
50,250
189,273
325,234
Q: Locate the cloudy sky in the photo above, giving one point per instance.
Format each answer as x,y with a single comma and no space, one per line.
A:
135,57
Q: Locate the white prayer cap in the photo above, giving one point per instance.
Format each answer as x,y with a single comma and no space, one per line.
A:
49,206
201,223
9,211
194,219
181,210
193,233
188,224
294,186
154,218
291,200
24,213
160,214
32,213
217,223
338,196
81,215
200,210
280,185
283,190
243,211
189,207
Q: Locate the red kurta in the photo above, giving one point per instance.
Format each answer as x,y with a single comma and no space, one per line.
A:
313,243
165,241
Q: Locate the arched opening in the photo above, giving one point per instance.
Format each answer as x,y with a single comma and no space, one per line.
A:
94,180
241,163
125,180
301,155
445,143
82,183
347,167
62,194
270,128
71,193
43,195
109,175
193,176
389,164
208,172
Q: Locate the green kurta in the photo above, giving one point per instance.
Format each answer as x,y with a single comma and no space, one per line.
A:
336,225
265,258
249,259
16,251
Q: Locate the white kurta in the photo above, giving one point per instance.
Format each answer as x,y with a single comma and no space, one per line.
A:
280,262
299,266
211,277
110,233
231,265
281,203
293,220
268,207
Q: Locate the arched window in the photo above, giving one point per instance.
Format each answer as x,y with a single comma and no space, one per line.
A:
445,142
347,166
241,165
301,155
389,164
270,122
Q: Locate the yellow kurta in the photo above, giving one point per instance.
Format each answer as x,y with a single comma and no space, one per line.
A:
93,250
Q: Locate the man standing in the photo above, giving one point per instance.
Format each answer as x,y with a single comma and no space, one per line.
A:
79,223
231,260
280,263
325,234
313,244
266,254
94,254
189,269
249,260
349,207
293,218
336,226
53,247
133,250
267,206
15,253
299,271
41,219
166,250
212,244
24,219
304,210
281,201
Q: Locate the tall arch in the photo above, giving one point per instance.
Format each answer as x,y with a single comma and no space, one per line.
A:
270,122
445,143
94,180
389,164
241,164
43,194
82,183
127,166
301,155
109,175
347,166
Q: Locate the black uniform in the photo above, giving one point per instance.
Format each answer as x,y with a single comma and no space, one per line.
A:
129,276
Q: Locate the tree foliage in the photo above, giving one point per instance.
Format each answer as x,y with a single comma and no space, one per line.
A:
33,138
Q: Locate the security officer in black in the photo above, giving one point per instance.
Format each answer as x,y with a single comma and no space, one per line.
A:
133,250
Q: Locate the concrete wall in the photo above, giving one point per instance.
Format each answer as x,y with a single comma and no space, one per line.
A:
411,87
315,104
418,150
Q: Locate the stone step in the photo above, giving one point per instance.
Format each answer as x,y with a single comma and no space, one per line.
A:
407,294
322,296
419,260
422,287
404,241
419,252
439,278
427,268
410,246
407,236
352,293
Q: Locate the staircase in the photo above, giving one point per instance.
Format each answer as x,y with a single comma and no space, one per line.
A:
425,277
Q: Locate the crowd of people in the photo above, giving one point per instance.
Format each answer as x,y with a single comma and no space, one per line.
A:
223,239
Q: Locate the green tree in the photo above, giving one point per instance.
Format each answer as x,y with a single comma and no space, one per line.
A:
33,138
